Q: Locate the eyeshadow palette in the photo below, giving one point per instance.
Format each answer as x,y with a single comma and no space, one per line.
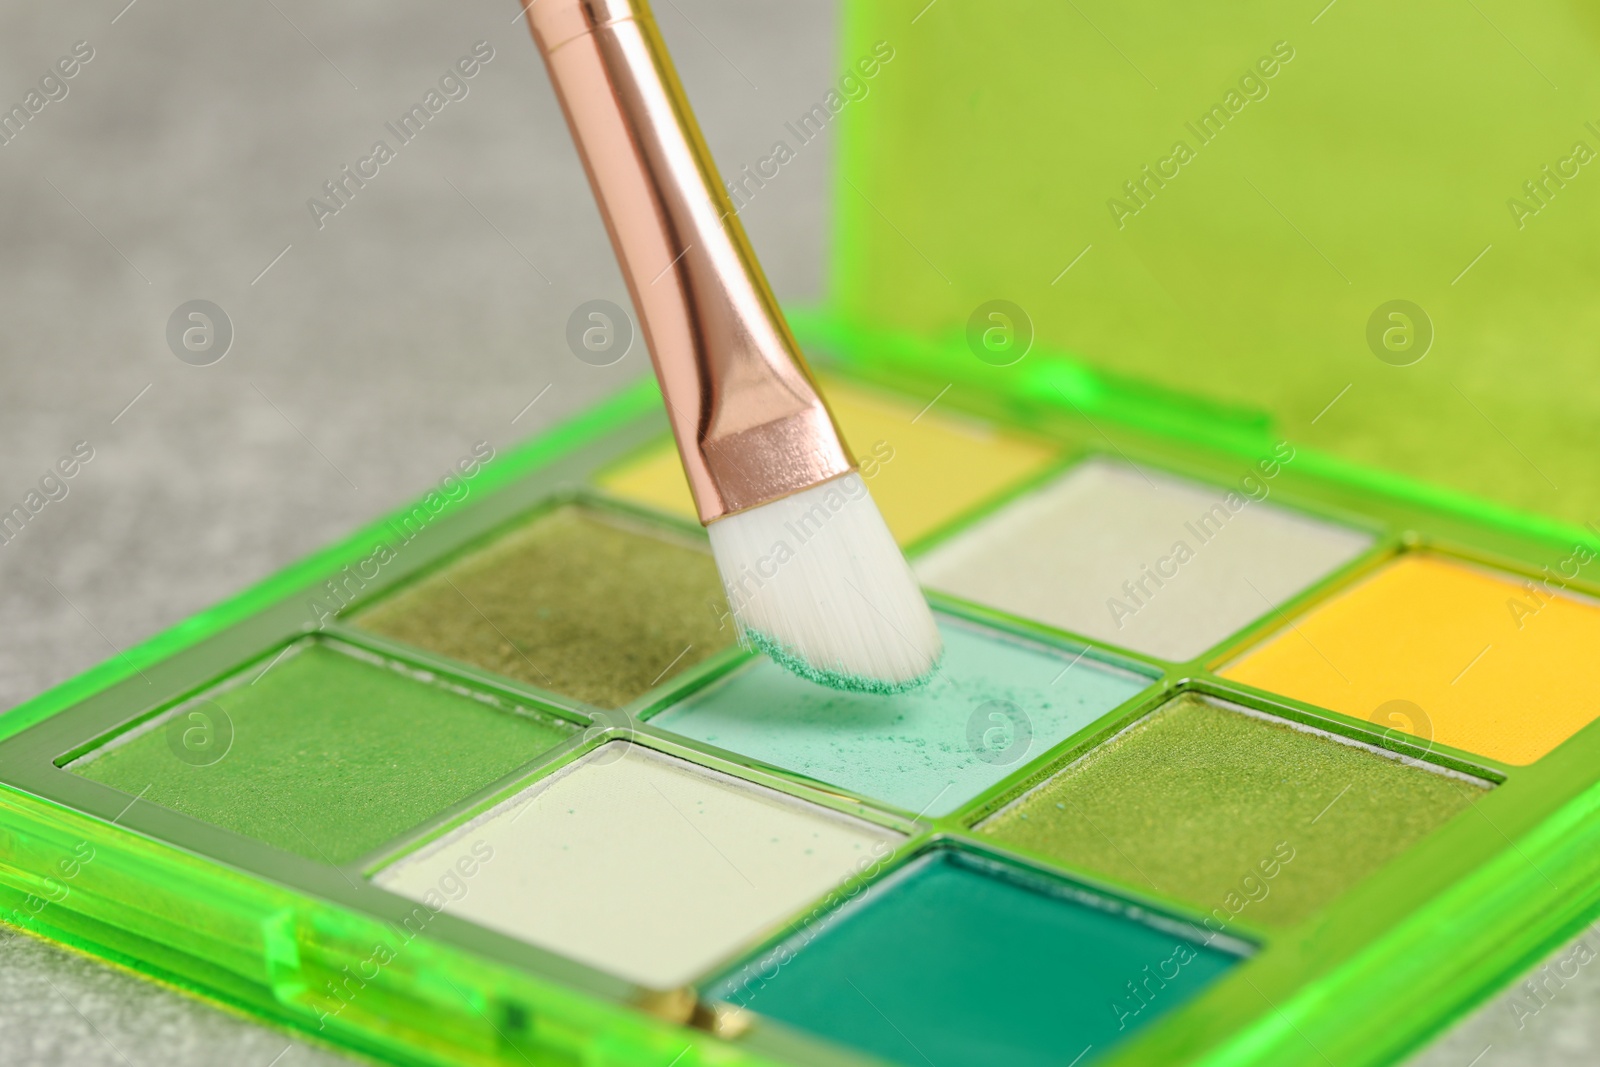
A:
1265,733
522,794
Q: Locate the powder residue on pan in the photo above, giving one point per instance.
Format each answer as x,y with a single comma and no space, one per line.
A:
798,665
994,703
572,602
641,864
1141,559
1233,811
966,964
323,754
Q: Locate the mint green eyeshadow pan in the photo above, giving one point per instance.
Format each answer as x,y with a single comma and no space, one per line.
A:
995,702
325,754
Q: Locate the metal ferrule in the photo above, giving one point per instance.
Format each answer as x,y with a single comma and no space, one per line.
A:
750,424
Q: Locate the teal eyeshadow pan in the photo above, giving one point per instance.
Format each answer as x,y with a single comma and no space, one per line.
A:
995,702
962,962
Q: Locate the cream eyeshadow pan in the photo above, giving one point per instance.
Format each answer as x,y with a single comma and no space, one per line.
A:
1141,559
676,866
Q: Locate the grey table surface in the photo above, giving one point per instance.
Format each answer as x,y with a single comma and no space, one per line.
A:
370,352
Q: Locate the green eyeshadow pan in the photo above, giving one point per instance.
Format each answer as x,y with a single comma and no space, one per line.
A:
574,602
963,962
324,754
1235,812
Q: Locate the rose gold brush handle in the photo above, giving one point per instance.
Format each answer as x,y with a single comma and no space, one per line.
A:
750,424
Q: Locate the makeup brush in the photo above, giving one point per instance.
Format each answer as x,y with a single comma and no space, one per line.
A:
812,574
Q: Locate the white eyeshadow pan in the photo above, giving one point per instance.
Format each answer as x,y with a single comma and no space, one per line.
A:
639,864
1141,559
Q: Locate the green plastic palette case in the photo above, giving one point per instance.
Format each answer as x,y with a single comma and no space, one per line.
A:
1232,406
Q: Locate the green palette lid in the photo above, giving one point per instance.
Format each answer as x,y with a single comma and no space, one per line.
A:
1366,228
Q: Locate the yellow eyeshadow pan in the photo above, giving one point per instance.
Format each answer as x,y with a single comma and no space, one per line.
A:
1458,655
925,469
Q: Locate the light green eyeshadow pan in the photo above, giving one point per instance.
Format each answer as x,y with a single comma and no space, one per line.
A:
322,753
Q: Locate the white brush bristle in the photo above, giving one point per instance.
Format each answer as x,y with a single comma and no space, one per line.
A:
816,581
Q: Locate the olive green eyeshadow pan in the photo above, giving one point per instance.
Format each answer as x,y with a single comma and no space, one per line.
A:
573,601
1239,814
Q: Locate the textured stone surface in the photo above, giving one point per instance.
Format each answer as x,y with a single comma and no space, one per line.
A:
1554,1022
60,1007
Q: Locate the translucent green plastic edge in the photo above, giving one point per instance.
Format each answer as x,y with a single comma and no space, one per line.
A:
1419,976
589,425
276,954
1055,380
1497,922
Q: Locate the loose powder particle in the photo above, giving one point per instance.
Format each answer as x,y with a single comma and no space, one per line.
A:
325,755
571,602
993,704
1201,802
